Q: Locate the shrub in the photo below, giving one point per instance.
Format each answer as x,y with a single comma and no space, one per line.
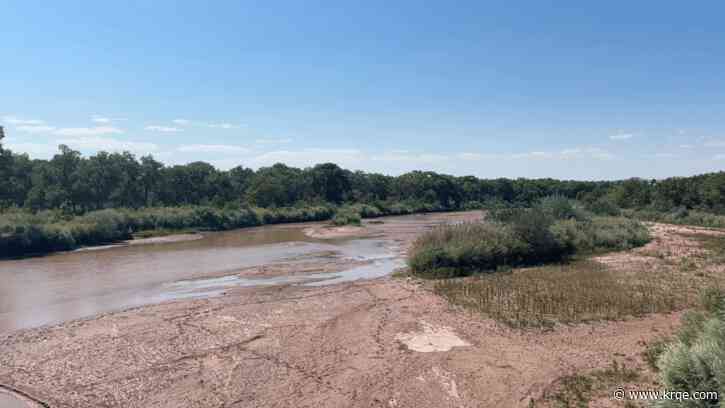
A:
346,216
695,361
561,208
680,216
518,237
534,228
654,351
604,206
458,250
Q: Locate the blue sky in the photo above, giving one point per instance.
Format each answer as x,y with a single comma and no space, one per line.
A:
569,90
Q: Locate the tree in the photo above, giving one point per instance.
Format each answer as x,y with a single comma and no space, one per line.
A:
713,192
5,163
329,182
65,172
239,178
277,186
632,193
128,192
150,179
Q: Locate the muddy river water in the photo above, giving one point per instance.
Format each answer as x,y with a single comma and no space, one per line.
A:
65,286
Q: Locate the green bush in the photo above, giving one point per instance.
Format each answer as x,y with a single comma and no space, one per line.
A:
347,216
561,208
458,250
604,206
679,216
696,361
517,237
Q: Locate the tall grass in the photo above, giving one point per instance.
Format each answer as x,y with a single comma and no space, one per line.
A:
575,292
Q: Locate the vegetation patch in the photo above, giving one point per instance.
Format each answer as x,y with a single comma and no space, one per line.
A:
552,231
577,390
575,292
678,216
347,216
695,360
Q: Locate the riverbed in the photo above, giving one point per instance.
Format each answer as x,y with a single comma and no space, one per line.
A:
71,285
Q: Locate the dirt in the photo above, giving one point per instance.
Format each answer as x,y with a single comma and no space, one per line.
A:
387,342
145,241
332,232
165,239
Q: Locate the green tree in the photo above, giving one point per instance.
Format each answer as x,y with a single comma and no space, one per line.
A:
150,179
329,182
65,173
277,186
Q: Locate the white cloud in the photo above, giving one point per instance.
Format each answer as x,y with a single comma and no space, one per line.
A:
104,119
621,136
565,154
20,122
423,158
474,156
719,157
224,125
663,155
273,141
92,131
715,143
164,129
533,155
212,148
310,157
97,143
35,150
35,128
686,146
181,122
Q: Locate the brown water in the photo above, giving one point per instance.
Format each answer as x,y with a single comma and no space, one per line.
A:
65,286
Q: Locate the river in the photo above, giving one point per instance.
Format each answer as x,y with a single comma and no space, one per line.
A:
70,285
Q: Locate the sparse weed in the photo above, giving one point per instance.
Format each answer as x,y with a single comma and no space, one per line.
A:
576,292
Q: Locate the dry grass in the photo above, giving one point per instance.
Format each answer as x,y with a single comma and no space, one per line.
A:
669,274
575,391
581,291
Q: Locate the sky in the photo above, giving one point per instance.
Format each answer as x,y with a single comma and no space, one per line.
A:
570,90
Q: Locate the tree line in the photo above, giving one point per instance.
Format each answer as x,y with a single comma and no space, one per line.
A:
78,184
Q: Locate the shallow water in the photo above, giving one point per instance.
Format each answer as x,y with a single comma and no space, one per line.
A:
65,286
380,262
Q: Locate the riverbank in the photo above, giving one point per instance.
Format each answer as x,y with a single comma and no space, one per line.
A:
25,234
383,342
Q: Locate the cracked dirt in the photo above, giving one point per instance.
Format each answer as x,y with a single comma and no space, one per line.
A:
346,345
